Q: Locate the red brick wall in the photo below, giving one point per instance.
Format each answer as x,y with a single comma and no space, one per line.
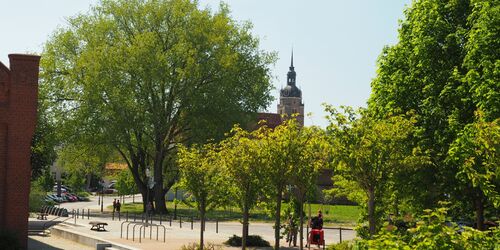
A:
18,105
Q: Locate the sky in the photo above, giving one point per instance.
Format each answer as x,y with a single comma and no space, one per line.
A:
335,42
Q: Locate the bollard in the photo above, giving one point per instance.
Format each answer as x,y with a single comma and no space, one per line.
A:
160,219
170,220
216,225
127,216
191,222
74,216
340,231
135,217
113,216
119,216
88,214
180,221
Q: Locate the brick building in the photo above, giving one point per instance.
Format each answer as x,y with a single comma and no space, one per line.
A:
18,107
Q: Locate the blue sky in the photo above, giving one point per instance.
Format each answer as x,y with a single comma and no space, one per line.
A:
336,42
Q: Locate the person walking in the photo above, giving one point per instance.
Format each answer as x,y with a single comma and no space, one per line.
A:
114,206
118,207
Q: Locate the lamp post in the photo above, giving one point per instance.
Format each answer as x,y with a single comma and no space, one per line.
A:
148,175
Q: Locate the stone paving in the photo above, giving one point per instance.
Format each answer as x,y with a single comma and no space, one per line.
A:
175,236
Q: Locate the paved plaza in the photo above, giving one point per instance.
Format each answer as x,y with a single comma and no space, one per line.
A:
175,236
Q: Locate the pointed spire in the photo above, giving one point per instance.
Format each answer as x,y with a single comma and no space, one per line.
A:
291,65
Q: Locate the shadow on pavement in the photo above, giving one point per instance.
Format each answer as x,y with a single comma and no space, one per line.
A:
33,243
41,224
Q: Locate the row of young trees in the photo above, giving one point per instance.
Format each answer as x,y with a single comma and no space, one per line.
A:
248,167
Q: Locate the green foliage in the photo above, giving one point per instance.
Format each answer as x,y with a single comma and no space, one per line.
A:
432,231
125,183
202,178
444,68
344,245
368,153
476,152
195,246
140,77
36,197
45,181
252,241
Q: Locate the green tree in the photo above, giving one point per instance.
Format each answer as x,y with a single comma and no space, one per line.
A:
142,76
281,152
313,156
241,156
476,152
444,68
367,153
81,162
125,183
202,178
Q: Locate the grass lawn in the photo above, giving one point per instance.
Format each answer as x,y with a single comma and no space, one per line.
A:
338,214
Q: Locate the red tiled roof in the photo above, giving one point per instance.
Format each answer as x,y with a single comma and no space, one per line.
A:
272,119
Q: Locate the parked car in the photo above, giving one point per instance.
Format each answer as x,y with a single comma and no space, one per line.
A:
55,198
63,188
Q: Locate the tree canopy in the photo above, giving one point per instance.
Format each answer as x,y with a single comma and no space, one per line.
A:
444,68
141,76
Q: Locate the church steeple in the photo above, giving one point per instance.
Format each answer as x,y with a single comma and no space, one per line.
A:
291,96
291,73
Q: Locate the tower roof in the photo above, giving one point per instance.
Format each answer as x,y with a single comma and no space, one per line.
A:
291,90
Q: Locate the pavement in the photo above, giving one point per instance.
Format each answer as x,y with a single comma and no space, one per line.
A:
176,235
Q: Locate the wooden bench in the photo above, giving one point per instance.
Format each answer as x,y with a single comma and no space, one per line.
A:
98,225
41,216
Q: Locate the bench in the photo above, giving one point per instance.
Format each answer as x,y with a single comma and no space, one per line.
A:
98,225
41,216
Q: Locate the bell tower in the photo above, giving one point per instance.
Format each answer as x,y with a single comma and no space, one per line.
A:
291,96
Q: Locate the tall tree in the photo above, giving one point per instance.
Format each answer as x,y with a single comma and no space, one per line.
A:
312,157
444,68
241,156
367,152
203,179
476,152
281,148
142,76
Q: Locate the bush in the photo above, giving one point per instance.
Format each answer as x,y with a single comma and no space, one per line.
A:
83,194
432,231
252,241
345,245
196,246
9,241
36,197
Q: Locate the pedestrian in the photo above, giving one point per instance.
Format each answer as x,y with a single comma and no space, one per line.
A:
292,231
114,206
118,206
149,208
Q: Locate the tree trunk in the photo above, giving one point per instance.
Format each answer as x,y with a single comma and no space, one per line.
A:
202,225
244,235
277,220
159,198
301,224
479,207
371,211
89,181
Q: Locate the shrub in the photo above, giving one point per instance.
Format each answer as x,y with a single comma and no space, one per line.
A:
252,241
432,231
196,246
345,245
36,197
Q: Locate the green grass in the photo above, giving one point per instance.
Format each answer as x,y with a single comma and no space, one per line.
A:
338,214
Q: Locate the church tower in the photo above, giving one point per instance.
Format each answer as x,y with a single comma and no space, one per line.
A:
291,97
